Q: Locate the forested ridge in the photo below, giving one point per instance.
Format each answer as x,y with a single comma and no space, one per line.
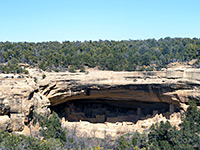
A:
125,55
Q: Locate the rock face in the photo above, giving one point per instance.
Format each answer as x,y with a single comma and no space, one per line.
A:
18,99
170,86
143,93
140,94
114,130
4,122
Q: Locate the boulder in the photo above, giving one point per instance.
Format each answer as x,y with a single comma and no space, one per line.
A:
5,123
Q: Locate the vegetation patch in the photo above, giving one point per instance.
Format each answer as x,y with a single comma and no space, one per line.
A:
129,55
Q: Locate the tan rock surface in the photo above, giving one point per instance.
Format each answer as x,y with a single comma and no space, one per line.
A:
4,123
114,130
19,98
170,86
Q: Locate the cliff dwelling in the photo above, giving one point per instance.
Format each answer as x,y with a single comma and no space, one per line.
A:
103,110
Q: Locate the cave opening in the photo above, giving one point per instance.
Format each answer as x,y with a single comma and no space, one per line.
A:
103,110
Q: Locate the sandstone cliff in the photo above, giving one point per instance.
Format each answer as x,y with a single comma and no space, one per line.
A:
19,98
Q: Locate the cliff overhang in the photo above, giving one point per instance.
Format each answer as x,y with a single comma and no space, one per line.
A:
115,96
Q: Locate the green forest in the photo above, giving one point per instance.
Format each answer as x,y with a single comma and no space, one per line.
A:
125,55
160,136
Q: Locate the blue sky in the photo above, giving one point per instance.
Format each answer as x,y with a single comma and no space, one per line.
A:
63,20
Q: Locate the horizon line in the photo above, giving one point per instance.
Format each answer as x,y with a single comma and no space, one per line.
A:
94,40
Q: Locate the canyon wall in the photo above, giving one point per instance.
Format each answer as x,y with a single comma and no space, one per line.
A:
171,86
20,98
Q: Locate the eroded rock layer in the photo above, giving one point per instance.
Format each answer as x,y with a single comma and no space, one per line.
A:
170,86
113,91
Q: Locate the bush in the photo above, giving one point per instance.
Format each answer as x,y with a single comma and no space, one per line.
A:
82,69
51,128
57,70
72,69
122,144
9,141
35,79
26,72
43,76
139,140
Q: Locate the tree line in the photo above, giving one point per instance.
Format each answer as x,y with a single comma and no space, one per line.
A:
125,55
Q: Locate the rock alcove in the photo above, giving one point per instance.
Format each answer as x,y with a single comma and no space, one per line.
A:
99,96
106,110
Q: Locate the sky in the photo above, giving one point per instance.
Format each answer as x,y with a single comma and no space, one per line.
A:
72,20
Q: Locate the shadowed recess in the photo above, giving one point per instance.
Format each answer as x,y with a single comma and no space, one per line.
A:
103,110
